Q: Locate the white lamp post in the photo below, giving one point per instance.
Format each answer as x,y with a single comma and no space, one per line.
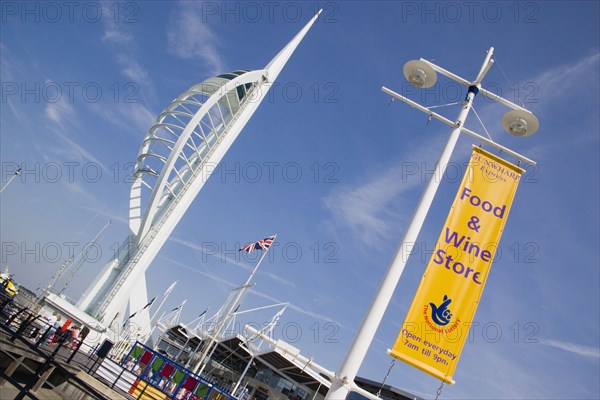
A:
12,178
519,122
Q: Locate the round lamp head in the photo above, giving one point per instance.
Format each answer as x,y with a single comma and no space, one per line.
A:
420,74
520,123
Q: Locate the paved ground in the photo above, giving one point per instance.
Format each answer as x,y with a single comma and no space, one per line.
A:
8,392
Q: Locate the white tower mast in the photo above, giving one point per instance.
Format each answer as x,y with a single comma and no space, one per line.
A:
179,153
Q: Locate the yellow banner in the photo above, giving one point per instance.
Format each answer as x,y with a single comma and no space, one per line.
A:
438,321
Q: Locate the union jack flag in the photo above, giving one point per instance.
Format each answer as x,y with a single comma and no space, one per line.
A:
260,245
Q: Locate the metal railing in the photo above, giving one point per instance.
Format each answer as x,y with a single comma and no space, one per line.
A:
146,373
25,336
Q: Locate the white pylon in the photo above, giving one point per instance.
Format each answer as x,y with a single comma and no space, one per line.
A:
176,158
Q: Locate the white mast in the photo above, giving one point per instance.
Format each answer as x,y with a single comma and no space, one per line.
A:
169,174
229,310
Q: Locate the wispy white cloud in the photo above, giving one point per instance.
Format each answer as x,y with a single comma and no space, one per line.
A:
508,379
301,310
8,66
201,249
188,37
113,34
562,85
205,274
256,293
131,114
122,44
135,118
140,115
365,208
550,88
77,190
584,351
114,31
59,111
369,209
101,209
132,69
231,261
55,130
63,122
278,279
68,148
567,78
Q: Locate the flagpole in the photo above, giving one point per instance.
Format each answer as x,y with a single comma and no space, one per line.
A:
259,262
124,337
199,368
268,328
200,321
83,256
12,178
150,334
165,297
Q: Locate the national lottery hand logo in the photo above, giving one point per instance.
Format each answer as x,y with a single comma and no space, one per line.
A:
440,315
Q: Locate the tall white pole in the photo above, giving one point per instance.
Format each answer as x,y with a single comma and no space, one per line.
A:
229,312
258,264
165,297
153,317
344,378
83,256
12,178
237,385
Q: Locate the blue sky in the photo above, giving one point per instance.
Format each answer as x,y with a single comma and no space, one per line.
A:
326,163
